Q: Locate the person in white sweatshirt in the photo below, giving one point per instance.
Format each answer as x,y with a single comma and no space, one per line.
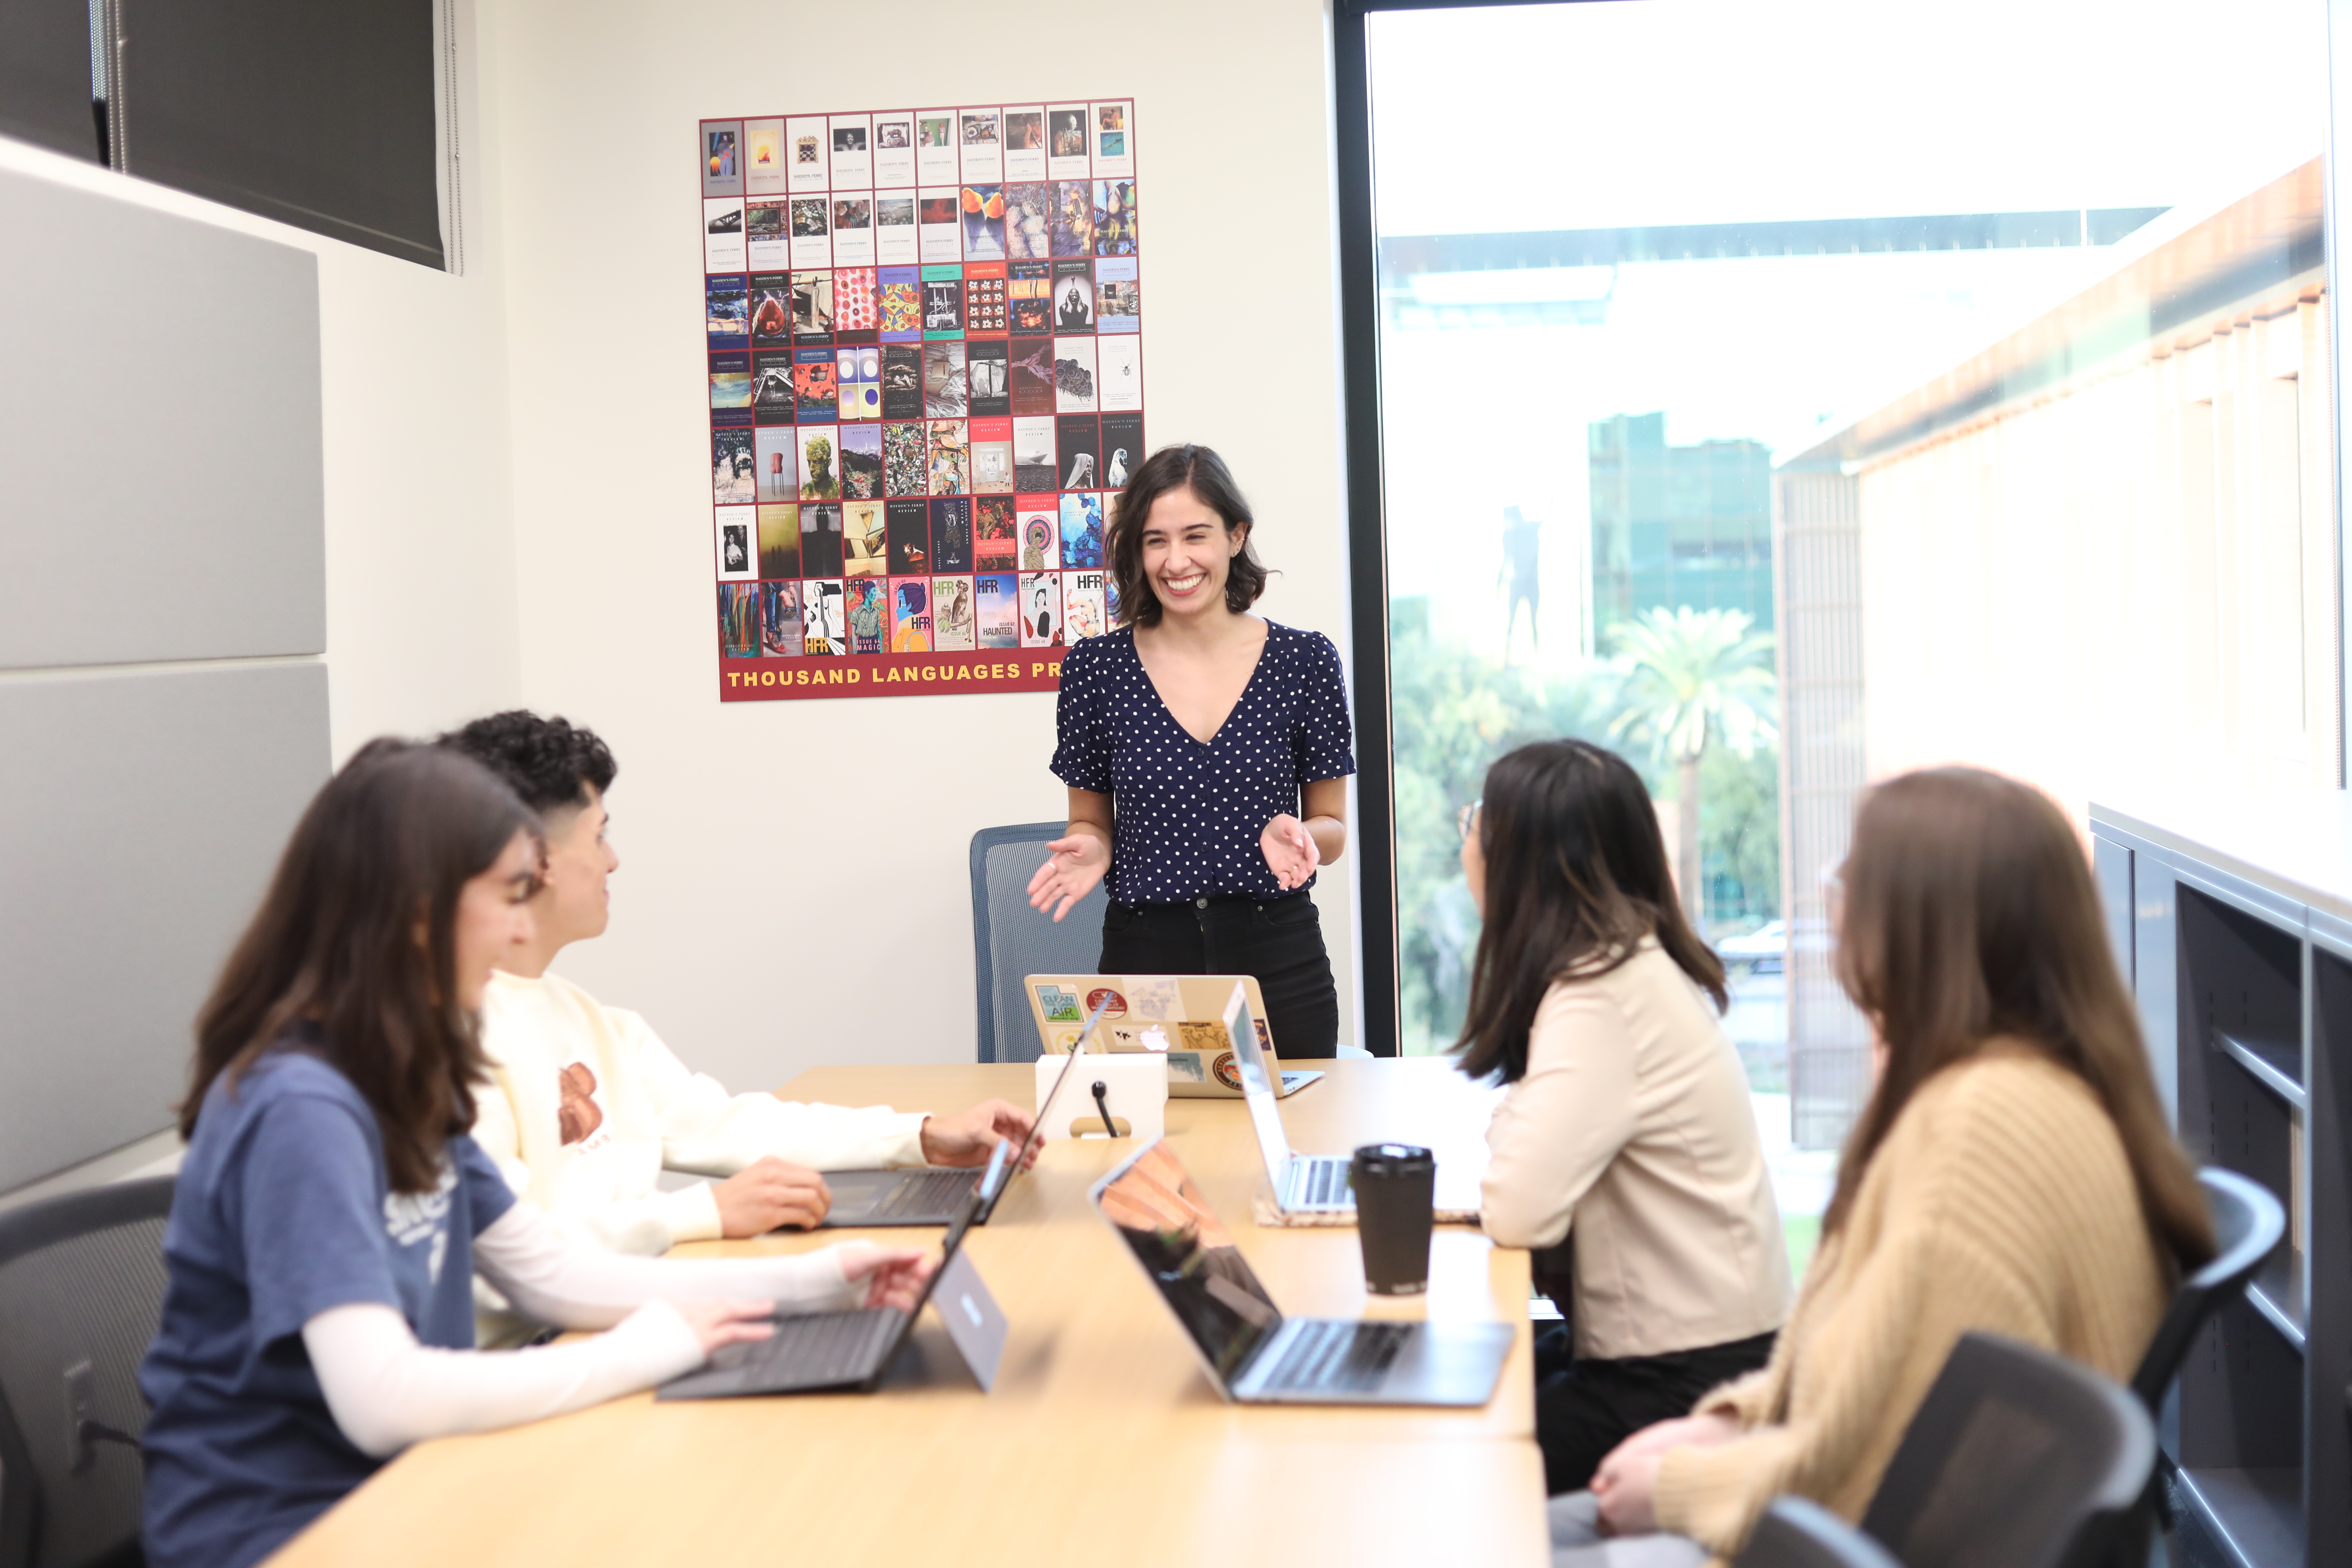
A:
590,1107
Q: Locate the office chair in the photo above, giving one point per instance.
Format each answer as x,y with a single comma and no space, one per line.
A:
1010,939
1797,1532
2017,1456
81,1291
2247,1225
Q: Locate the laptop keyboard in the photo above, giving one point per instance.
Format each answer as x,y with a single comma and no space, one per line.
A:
1339,1357
934,1191
1326,1186
822,1348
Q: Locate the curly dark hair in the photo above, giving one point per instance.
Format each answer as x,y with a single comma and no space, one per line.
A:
551,763
1201,471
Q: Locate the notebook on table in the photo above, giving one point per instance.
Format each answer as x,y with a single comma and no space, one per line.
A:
925,1194
1313,1189
1251,1351
849,1352
1181,1017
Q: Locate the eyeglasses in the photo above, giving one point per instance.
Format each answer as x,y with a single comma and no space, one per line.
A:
1467,818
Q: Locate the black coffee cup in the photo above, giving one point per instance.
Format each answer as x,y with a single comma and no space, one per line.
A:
1396,1187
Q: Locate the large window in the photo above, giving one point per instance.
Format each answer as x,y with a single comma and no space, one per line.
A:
1893,383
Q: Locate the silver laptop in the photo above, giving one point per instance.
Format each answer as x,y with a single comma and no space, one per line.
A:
1251,1352
926,1196
1312,1188
848,1351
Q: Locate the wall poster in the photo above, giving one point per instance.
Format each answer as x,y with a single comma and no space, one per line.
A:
924,332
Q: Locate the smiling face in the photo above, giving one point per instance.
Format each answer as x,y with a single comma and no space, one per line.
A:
1188,551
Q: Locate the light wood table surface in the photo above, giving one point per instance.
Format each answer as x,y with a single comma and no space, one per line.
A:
1103,1443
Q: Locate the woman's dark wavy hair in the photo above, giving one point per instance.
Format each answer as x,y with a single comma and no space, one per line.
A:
375,864
1575,876
1970,916
1201,471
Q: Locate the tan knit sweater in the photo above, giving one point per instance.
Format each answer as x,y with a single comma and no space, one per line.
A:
2000,1200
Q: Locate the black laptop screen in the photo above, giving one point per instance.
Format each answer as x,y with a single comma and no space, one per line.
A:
1178,1239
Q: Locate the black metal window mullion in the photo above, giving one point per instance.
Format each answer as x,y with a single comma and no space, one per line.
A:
1368,560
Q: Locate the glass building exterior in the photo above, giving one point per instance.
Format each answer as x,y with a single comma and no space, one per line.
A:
1677,526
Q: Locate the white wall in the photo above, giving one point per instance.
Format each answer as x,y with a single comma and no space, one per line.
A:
794,886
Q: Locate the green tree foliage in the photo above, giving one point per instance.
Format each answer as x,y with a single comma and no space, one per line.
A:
1455,712
1692,678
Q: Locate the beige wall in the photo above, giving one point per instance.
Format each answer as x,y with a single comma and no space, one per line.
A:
2130,578
794,886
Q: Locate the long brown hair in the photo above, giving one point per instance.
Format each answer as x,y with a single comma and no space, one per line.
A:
377,861
1201,471
1970,916
1575,876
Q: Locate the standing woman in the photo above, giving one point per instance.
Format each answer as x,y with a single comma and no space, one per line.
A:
1207,752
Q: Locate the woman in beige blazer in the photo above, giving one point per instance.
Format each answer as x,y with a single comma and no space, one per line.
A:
1627,1127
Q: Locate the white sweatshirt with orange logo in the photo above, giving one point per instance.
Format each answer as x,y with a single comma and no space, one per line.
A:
588,1108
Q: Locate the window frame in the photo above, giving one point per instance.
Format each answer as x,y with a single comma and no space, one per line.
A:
1379,1015
1380,1009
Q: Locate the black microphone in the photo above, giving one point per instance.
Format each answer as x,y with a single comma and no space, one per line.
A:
1102,1103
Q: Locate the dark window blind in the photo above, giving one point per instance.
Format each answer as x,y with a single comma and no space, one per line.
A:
44,80
316,113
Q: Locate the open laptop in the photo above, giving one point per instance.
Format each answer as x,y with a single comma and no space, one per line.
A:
1251,1352
927,1194
1179,1016
848,1351
1312,1189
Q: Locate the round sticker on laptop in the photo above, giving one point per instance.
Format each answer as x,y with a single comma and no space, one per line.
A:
1228,1072
1113,1005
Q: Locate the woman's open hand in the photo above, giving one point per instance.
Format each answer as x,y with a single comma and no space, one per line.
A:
1290,851
1078,864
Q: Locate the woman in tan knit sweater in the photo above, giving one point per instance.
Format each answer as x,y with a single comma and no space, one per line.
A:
2012,1172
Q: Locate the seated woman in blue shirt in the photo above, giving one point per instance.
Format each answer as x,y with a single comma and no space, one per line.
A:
331,1209
1207,753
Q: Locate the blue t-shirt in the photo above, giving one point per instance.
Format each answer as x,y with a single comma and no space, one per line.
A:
1186,817
283,1211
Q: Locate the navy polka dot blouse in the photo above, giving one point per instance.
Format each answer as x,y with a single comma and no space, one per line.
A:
1186,817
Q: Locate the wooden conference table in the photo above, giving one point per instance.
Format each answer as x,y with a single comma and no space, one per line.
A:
1103,1443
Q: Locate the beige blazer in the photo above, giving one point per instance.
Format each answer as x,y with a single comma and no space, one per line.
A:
1633,1127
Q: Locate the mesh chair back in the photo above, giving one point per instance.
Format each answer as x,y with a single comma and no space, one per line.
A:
1010,939
2247,1225
81,1284
1796,1532
2017,1456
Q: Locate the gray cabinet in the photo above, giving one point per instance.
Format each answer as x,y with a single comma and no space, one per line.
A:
2234,917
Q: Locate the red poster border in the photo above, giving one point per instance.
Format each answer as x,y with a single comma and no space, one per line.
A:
816,676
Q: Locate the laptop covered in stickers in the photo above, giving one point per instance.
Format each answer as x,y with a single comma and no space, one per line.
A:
1179,1017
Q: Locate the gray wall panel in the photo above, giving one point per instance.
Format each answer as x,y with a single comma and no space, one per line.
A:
159,431
143,814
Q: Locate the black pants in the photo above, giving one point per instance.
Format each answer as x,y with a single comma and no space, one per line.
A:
1586,1408
1279,941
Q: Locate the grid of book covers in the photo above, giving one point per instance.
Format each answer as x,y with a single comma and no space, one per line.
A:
926,363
